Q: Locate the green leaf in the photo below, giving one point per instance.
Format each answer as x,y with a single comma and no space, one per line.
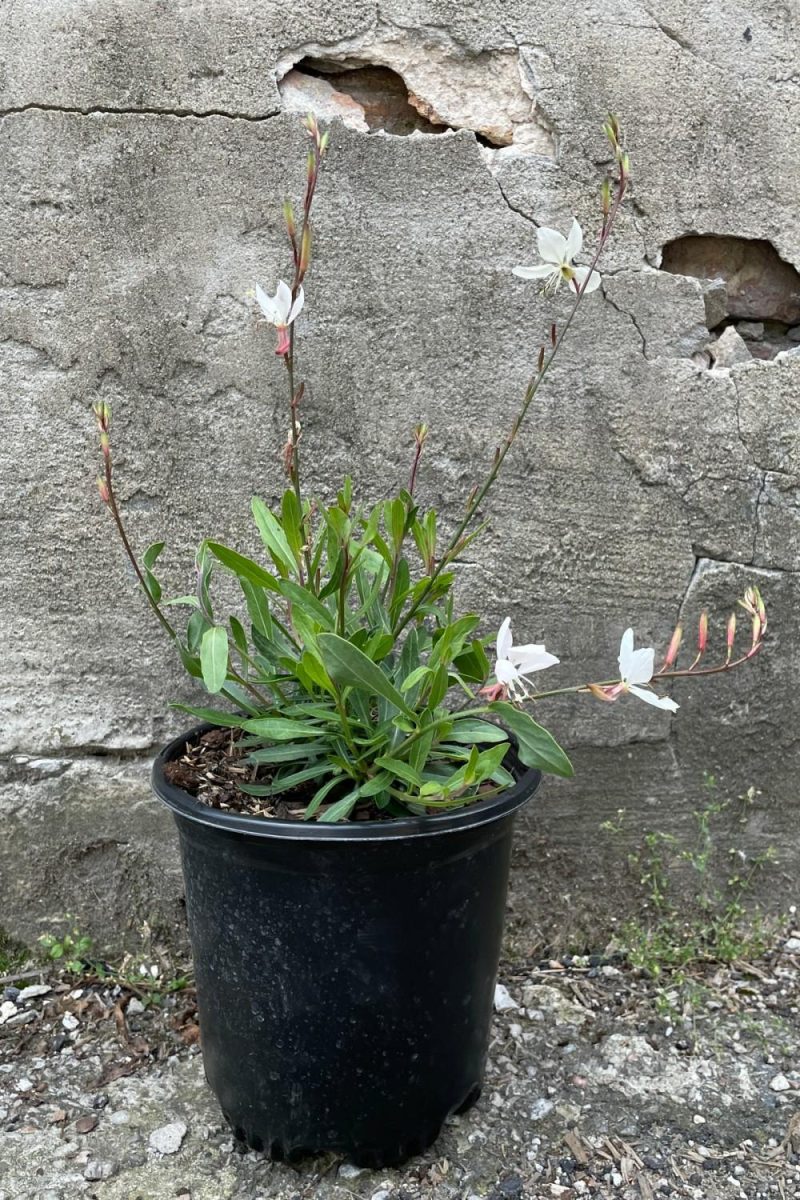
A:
537,748
418,674
288,752
151,554
320,795
244,567
191,601
281,729
239,636
307,602
214,657
401,769
341,810
376,785
273,537
286,782
350,667
469,730
214,716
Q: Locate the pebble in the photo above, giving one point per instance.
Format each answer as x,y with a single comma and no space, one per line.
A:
70,1022
792,946
135,1007
541,1108
381,1194
121,1117
729,349
24,1085
7,1009
349,1170
699,1119
30,993
168,1138
751,330
503,1001
779,1083
96,1170
21,1018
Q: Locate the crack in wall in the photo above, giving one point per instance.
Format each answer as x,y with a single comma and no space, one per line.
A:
624,313
145,111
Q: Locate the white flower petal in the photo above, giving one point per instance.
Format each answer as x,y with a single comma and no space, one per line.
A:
574,241
552,245
266,304
625,652
651,698
504,639
506,673
297,307
283,302
641,665
540,272
531,658
580,274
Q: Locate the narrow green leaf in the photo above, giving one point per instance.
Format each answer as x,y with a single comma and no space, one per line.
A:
244,567
469,730
281,729
272,536
287,752
307,602
286,782
214,657
151,554
213,716
349,666
320,795
401,769
537,748
341,810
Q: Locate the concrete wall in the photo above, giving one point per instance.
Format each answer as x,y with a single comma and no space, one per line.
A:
145,150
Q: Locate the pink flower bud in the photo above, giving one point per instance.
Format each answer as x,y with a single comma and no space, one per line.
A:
305,250
601,693
105,445
288,216
102,488
674,646
756,630
702,632
731,633
284,344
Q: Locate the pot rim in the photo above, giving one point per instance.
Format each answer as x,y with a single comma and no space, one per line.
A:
482,812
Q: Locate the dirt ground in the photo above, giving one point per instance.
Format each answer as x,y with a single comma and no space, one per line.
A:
600,1083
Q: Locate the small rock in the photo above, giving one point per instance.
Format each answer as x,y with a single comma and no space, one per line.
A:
135,1007
85,1124
752,331
699,1119
10,993
503,1001
510,1188
793,334
7,1009
778,1083
349,1170
792,946
168,1139
21,1018
24,1085
381,1194
541,1108
30,993
70,1022
715,298
729,349
96,1170
121,1117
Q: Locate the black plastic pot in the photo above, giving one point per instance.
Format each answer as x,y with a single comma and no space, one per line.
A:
345,973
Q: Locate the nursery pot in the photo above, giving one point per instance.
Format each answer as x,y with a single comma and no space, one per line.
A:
345,973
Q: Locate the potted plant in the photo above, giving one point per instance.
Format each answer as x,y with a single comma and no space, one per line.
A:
345,820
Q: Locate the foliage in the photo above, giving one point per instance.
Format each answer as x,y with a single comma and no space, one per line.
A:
349,672
710,921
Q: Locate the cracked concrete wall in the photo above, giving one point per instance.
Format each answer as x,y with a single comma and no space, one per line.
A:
145,153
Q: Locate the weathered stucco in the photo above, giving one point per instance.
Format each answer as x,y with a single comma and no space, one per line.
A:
145,153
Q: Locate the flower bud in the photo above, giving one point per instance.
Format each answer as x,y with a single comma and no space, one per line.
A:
323,141
102,412
541,358
421,435
105,445
605,196
305,250
553,334
674,646
102,488
756,630
600,693
731,633
702,632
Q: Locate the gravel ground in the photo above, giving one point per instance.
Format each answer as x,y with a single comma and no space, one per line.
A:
592,1090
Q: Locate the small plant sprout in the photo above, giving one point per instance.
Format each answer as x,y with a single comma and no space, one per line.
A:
345,673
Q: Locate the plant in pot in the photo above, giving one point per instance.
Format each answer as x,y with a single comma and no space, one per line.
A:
345,820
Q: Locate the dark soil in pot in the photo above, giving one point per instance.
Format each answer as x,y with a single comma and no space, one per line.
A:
345,973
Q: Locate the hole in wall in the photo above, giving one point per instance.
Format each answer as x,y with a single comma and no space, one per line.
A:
368,97
748,288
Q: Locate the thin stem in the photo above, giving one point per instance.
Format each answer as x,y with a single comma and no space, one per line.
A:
478,496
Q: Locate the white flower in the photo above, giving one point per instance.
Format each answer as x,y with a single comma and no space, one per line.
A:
515,662
278,309
558,253
635,667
